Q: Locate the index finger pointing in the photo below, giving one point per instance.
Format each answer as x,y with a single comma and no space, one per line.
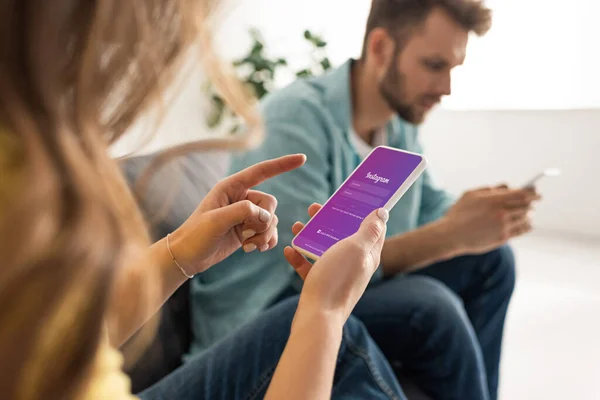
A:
258,173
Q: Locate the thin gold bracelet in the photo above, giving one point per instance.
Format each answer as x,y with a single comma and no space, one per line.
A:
175,260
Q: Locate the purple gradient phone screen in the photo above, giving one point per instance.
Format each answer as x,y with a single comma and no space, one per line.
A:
370,187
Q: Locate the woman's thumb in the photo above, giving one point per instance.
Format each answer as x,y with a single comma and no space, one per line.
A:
373,227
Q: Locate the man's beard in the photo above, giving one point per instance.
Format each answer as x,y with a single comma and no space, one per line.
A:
393,92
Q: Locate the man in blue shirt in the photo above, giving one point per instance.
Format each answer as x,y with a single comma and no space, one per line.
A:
437,305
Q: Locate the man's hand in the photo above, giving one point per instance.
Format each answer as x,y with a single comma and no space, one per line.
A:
485,219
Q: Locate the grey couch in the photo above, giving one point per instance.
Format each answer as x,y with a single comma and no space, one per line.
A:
174,192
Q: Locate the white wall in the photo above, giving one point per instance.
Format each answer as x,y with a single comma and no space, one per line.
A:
282,23
472,148
538,49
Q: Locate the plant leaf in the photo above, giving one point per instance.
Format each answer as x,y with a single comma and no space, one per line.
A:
326,64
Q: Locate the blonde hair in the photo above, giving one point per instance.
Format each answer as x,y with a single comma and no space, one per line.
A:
74,76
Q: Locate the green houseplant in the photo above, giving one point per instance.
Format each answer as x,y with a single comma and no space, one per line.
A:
259,71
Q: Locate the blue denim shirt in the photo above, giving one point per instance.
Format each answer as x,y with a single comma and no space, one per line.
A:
311,117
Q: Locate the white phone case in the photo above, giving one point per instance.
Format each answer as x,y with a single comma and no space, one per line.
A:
548,172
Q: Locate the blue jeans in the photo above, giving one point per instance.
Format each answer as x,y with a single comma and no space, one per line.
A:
484,284
242,365
443,326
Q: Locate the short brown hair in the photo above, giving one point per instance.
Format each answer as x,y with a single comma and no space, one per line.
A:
396,16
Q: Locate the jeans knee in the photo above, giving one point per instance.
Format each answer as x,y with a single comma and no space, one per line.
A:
355,331
446,328
363,367
502,273
442,311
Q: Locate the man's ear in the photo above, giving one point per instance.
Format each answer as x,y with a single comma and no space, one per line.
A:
380,48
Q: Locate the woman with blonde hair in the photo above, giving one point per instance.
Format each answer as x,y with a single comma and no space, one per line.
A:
78,275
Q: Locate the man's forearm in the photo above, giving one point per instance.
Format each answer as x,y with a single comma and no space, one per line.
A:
418,248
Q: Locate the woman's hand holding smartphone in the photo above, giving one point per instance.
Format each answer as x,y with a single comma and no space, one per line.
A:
346,234
338,279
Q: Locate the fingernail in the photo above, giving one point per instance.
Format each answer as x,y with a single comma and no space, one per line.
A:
264,215
264,248
248,233
383,214
249,248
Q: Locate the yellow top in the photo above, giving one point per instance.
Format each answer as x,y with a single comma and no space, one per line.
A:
107,380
